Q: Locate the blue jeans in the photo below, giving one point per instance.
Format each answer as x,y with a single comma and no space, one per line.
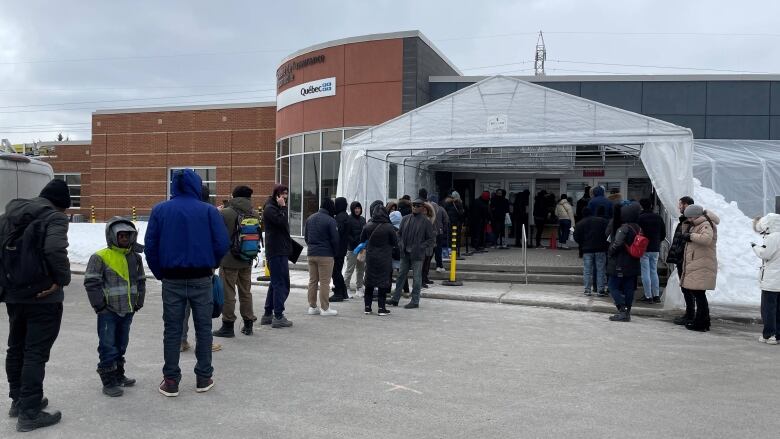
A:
650,282
416,266
622,290
564,226
279,288
113,336
597,262
176,294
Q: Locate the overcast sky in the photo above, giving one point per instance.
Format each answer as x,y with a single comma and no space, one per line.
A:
118,54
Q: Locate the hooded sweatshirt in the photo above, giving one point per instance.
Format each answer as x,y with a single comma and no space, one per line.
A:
620,262
342,225
115,278
356,223
186,237
600,200
769,252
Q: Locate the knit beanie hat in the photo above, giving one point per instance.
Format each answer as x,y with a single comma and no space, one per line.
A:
693,211
58,193
242,192
455,195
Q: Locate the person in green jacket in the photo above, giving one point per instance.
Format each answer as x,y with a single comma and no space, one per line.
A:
116,285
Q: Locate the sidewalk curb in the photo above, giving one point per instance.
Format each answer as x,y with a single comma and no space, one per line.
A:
596,307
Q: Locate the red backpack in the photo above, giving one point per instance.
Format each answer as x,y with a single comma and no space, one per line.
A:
637,248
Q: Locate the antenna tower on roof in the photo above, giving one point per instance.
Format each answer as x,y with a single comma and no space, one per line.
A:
541,56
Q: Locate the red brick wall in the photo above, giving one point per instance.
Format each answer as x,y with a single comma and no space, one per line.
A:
69,159
131,154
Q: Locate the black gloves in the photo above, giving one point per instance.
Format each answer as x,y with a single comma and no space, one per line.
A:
686,237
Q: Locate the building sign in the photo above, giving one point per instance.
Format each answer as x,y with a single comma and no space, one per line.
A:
286,73
497,123
592,172
305,92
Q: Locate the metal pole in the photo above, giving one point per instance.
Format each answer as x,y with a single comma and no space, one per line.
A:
453,282
525,256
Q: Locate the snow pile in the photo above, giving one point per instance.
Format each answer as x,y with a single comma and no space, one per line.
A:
737,264
86,238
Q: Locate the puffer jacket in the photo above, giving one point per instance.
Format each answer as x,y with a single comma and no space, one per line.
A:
380,235
115,278
700,267
236,207
769,252
620,263
342,224
355,224
564,211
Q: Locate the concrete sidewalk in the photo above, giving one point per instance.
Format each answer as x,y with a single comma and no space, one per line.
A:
567,297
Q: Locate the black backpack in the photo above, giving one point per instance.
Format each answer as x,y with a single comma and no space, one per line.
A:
23,270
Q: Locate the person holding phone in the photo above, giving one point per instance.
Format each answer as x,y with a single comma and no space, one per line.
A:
278,247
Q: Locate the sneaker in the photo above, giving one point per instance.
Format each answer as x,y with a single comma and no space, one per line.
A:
682,320
440,269
281,323
42,419
603,293
411,305
216,347
329,312
204,384
13,412
657,299
392,302
367,310
383,312
646,300
266,320
185,346
169,387
313,311
588,293
770,340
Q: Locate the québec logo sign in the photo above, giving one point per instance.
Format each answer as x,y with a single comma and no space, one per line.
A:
325,86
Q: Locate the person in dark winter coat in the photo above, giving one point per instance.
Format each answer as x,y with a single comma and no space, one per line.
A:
499,207
599,200
676,256
416,237
35,305
541,215
454,208
236,273
116,287
184,258
342,224
381,238
479,219
322,237
591,236
405,206
654,229
355,224
520,216
582,203
278,247
623,268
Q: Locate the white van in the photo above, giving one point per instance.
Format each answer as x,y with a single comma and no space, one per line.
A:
22,177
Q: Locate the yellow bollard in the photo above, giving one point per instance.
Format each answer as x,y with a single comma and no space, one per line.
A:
266,274
135,217
453,282
92,214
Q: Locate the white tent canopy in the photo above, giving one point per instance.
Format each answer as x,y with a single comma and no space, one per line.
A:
745,171
504,124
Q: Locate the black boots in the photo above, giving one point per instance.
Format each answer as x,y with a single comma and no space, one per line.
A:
623,315
42,419
110,382
121,379
225,331
247,329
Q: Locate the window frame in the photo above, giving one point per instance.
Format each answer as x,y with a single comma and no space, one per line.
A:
209,183
75,200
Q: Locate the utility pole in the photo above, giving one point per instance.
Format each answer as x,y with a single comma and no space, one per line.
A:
541,56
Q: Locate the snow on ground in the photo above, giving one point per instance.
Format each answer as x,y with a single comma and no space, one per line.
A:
86,238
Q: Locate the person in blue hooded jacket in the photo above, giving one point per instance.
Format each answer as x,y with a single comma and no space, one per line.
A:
599,200
185,241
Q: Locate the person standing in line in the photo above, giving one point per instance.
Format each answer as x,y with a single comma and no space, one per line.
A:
322,238
599,199
676,256
499,208
278,248
381,239
33,294
430,212
184,259
116,285
623,268
442,232
355,225
540,215
454,207
342,225
416,236
769,253
565,214
405,205
582,203
654,229
591,235
520,216
700,266
236,272
480,218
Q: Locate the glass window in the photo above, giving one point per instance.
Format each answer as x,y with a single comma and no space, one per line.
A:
576,189
392,181
209,177
311,184
330,174
284,172
331,140
350,133
611,186
296,198
284,147
74,185
311,142
296,145
639,188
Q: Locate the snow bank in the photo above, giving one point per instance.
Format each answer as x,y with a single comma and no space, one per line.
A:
737,264
86,238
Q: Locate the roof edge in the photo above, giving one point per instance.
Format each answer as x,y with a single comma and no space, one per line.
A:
616,78
186,108
66,143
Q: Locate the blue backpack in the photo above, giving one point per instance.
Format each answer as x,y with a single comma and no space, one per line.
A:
246,238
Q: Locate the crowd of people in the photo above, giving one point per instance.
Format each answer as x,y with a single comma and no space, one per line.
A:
187,240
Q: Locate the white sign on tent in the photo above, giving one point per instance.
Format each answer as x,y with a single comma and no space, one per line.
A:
497,123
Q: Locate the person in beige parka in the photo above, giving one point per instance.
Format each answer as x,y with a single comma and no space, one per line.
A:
700,266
